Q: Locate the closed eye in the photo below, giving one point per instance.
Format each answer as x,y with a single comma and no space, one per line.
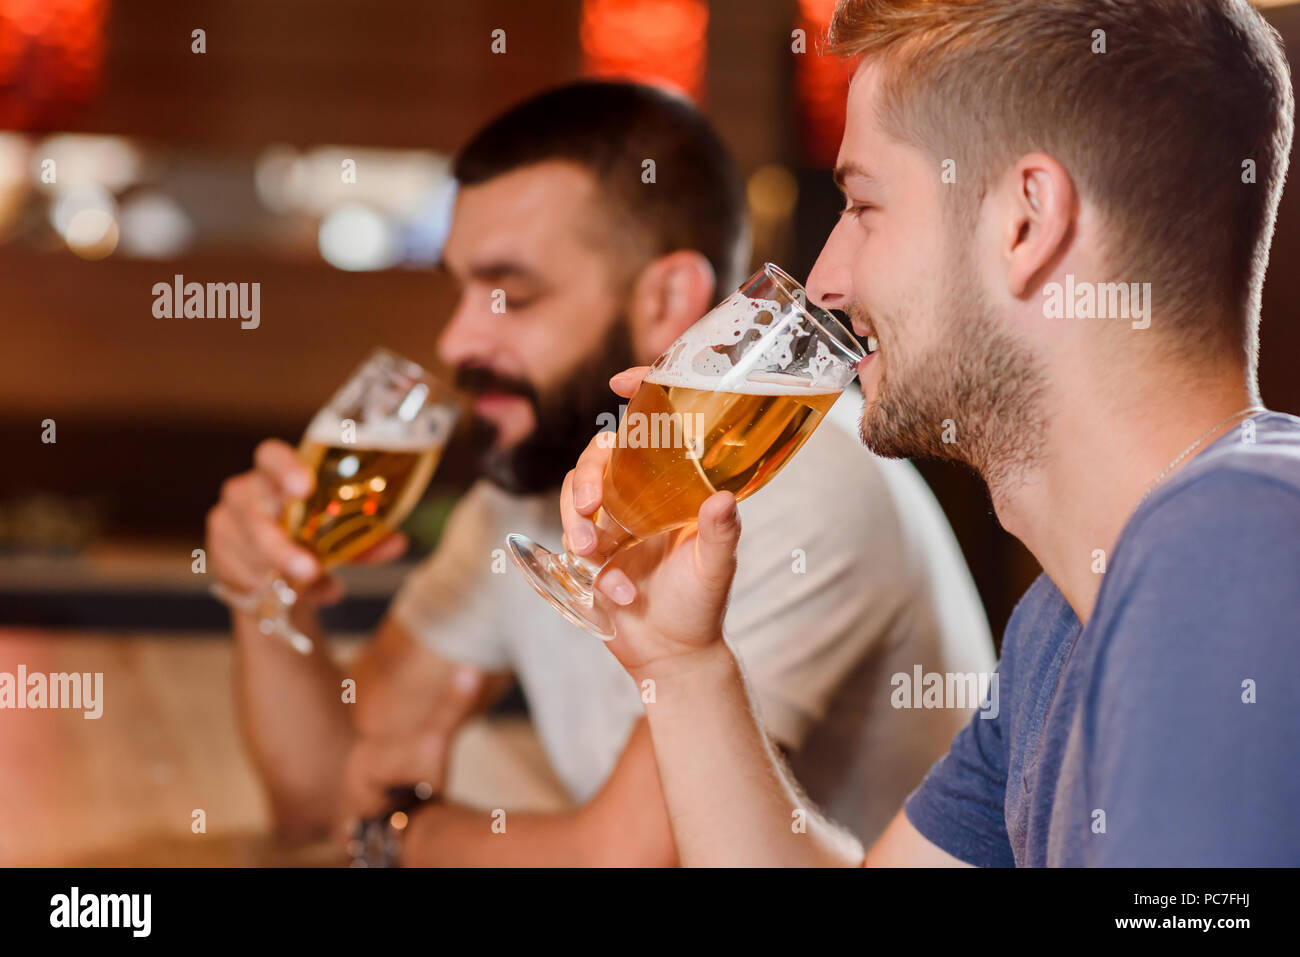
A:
856,210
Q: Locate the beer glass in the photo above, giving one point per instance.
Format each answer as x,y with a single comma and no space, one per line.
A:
373,448
723,408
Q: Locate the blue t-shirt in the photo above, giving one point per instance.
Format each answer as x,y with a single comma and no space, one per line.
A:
1166,732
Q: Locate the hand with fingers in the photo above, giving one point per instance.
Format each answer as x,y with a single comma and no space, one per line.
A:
247,544
667,596
398,772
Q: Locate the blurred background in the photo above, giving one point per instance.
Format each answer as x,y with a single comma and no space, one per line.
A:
126,158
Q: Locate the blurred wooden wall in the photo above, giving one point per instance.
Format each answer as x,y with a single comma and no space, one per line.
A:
399,73
153,413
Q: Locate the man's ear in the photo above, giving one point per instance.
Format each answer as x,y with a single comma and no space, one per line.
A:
669,295
1039,221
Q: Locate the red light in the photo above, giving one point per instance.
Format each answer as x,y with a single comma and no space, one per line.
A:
51,52
821,86
652,41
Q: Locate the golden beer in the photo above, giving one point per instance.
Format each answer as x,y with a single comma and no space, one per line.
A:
730,441
735,395
362,493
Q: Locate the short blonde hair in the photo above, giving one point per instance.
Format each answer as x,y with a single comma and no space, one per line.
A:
1157,130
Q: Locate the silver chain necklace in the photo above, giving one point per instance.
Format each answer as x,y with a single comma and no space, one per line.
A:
1191,448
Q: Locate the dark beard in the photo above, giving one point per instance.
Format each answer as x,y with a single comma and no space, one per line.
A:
567,417
979,377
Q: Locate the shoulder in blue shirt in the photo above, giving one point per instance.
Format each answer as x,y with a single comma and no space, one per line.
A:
1167,732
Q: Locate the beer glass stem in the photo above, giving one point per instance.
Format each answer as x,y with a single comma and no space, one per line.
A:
568,581
582,571
271,605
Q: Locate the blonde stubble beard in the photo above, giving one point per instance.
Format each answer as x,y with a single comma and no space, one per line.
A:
979,386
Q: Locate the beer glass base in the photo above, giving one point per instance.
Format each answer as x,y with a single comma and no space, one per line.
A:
271,606
544,572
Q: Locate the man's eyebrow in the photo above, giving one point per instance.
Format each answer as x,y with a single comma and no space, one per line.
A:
496,270
845,170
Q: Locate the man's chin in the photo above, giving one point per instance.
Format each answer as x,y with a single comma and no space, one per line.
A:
875,425
877,440
503,472
559,422
526,467
894,431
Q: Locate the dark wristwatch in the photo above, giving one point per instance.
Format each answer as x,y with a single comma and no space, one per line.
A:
377,841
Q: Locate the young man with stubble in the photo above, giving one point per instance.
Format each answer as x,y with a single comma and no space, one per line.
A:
1147,715
599,269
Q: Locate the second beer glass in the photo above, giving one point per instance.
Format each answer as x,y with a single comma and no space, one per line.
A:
373,449
723,409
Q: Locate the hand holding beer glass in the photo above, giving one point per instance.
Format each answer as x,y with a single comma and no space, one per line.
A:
723,409
372,449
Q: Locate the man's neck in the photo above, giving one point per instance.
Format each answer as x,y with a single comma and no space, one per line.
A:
1099,461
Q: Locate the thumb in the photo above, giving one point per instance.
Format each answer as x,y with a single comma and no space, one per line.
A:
628,381
719,534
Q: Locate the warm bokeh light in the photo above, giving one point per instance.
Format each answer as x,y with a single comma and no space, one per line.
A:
14,150
772,192
154,226
77,159
75,200
92,233
821,85
51,52
356,238
654,41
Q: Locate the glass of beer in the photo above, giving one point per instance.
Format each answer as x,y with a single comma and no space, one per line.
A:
373,448
723,408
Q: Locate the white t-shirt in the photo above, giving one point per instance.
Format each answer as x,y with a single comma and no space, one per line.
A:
847,575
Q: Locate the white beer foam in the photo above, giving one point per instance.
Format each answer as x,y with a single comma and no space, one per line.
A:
763,383
692,362
379,436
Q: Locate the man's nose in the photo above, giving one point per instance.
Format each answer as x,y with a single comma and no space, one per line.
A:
830,284
470,336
